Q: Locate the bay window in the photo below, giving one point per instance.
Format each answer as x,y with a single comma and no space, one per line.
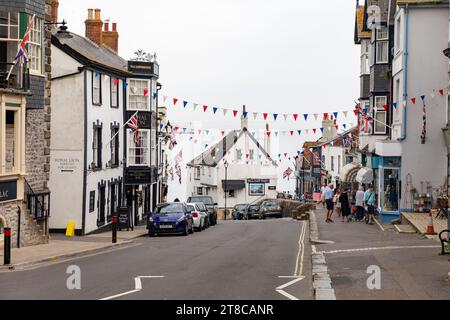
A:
138,95
35,46
153,147
380,115
138,154
9,25
382,45
365,68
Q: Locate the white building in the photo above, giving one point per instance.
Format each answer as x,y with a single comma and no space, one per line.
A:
239,166
87,112
414,158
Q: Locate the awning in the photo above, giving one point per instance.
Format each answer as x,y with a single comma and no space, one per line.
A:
364,175
349,172
233,184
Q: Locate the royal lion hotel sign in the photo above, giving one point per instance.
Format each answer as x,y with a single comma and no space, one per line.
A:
8,191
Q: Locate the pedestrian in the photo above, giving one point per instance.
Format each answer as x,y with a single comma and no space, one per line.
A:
369,200
328,195
337,203
345,205
359,203
322,195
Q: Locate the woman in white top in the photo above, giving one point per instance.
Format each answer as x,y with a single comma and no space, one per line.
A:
359,202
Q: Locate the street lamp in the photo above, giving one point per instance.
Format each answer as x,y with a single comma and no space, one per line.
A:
226,187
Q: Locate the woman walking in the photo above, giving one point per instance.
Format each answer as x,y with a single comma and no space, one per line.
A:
345,205
337,203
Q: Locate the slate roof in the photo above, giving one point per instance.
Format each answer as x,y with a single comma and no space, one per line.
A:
359,25
220,149
89,53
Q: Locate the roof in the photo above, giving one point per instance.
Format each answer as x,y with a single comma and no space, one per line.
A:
89,53
359,24
220,149
311,144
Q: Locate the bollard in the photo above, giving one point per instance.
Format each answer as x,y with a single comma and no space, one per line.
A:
114,229
7,247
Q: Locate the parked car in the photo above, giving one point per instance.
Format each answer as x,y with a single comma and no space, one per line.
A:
252,212
271,208
201,206
210,205
170,218
239,211
198,216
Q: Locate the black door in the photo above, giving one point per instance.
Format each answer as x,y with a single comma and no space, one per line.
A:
101,204
113,200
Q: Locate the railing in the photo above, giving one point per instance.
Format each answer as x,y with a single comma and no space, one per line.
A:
14,77
37,203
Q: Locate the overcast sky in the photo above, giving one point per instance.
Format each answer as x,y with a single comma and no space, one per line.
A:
284,56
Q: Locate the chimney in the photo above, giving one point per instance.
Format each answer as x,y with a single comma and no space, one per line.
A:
111,38
244,120
54,10
94,26
329,129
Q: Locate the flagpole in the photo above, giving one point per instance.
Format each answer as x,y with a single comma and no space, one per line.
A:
18,48
384,124
122,127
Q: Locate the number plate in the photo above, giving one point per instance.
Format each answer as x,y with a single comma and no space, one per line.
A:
165,226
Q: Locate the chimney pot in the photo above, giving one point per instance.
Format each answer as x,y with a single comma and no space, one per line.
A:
114,27
90,14
54,10
106,26
98,14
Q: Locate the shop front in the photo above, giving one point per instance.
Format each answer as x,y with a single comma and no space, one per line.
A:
389,188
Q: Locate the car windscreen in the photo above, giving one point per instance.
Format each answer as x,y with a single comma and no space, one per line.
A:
254,208
240,207
170,208
191,208
204,200
271,204
201,206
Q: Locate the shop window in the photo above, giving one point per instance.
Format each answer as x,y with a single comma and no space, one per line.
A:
231,193
390,192
139,151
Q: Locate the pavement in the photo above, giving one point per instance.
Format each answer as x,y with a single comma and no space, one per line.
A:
409,265
420,220
234,260
61,247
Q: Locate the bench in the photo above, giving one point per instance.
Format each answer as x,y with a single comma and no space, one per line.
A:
445,242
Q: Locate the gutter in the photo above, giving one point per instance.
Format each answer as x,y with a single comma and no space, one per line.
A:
83,221
80,70
405,73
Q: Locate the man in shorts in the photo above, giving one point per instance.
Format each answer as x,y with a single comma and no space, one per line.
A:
328,195
369,200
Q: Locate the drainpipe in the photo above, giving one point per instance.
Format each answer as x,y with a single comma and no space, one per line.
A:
405,72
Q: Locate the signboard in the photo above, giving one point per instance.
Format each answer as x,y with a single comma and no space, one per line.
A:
258,180
272,188
67,164
124,215
135,176
144,119
8,190
256,189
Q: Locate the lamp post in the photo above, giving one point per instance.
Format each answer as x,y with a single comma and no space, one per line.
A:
225,189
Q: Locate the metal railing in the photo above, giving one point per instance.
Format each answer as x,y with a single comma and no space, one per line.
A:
38,204
14,77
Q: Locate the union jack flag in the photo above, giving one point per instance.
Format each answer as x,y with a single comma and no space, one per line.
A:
365,120
133,124
22,54
287,173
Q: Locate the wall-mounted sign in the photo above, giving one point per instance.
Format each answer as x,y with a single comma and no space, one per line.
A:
8,190
135,176
68,164
258,180
256,189
272,188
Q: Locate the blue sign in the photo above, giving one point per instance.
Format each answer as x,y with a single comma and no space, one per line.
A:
8,191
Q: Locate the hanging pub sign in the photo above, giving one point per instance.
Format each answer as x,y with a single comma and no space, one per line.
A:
8,191
143,118
135,176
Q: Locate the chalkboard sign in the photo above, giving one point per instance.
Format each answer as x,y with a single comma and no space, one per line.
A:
124,215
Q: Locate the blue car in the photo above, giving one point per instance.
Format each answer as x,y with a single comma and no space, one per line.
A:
170,218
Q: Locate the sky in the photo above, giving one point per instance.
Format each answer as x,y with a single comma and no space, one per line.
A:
284,56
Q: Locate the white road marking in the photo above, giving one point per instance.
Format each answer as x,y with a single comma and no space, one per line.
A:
377,249
137,287
379,224
301,251
298,267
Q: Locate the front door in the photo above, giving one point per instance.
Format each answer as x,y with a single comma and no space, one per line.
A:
102,205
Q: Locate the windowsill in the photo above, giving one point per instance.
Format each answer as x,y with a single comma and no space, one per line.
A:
100,223
114,107
115,166
37,74
138,110
97,169
96,104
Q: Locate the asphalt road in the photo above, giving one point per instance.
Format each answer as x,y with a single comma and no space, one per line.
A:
235,260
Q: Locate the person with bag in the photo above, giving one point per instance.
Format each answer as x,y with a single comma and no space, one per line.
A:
369,200
345,205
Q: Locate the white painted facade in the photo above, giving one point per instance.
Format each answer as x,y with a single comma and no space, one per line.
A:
424,68
72,110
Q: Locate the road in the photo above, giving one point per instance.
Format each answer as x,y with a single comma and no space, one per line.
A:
235,260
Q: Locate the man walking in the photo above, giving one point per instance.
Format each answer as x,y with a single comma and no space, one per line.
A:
322,190
328,195
369,199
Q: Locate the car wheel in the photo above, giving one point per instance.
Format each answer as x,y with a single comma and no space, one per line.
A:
151,235
192,229
186,231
